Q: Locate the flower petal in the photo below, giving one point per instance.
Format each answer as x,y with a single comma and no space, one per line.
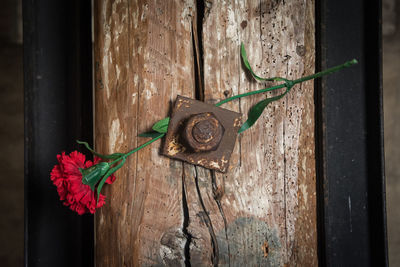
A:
67,177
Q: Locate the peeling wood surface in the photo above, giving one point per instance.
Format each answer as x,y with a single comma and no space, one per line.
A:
143,59
165,212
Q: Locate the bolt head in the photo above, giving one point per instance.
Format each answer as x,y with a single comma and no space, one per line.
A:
203,132
189,136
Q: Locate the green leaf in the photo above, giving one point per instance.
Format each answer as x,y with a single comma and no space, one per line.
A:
150,134
108,173
255,76
112,156
91,175
161,126
257,110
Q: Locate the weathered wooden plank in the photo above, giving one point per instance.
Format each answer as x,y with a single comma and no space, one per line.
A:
162,211
269,198
144,58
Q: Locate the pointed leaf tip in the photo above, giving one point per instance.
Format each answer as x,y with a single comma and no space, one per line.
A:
256,111
161,126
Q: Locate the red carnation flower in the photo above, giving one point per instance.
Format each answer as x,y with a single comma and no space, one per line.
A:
67,177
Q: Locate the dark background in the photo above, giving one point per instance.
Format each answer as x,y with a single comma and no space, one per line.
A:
11,135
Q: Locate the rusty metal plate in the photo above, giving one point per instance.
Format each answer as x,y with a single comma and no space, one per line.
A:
201,134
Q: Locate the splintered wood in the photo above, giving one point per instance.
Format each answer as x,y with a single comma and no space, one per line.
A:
161,211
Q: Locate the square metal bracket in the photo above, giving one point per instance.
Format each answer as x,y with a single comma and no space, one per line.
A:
201,134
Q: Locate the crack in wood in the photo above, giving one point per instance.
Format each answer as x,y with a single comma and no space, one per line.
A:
197,31
199,94
218,194
207,220
186,221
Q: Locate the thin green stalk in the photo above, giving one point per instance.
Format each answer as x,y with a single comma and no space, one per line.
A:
117,160
160,128
137,148
144,145
290,83
124,156
276,87
327,71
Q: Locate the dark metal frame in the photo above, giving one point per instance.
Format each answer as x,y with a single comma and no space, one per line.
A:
351,185
58,110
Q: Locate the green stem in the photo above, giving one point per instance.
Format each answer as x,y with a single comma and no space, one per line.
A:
137,148
289,83
144,145
117,160
276,87
327,71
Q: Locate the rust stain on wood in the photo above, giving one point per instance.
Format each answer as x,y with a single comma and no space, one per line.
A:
165,212
265,249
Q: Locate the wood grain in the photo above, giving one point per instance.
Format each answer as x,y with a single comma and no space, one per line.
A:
165,212
270,190
143,59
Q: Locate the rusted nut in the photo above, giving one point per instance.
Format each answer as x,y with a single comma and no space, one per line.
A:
188,143
203,132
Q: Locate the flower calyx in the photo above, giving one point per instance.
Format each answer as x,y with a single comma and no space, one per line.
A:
92,175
